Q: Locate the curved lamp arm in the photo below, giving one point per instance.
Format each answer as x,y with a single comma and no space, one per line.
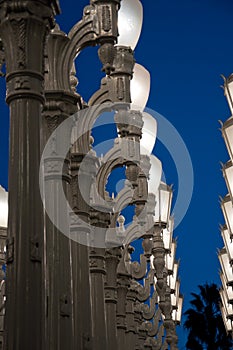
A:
154,328
144,292
98,26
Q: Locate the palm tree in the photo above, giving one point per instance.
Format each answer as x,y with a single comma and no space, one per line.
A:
204,321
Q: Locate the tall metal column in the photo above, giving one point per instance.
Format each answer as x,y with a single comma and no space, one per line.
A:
97,275
23,29
3,236
60,104
80,230
112,260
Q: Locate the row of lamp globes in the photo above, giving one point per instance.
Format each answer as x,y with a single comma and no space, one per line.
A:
130,18
225,255
129,26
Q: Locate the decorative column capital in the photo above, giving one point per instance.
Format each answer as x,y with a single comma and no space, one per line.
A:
25,68
48,8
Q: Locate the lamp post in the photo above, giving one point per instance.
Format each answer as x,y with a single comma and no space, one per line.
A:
71,282
163,199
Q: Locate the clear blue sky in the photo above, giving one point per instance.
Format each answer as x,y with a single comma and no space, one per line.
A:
186,45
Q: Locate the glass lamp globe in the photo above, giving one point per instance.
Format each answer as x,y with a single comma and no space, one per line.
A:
173,277
175,295
227,209
227,306
225,266
3,207
228,290
130,17
177,314
167,234
227,133
227,321
139,88
163,199
149,133
228,176
155,175
227,242
170,257
228,90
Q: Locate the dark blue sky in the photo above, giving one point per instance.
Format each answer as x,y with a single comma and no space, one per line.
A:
186,45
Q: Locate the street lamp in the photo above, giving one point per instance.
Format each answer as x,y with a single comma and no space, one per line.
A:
163,204
227,239
227,321
228,309
140,87
225,266
70,279
130,18
170,257
227,209
227,133
227,170
149,133
3,207
177,313
168,234
155,174
172,278
227,289
228,90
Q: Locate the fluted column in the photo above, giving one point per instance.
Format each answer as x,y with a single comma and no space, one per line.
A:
23,29
131,325
80,232
111,259
60,104
98,275
3,236
123,282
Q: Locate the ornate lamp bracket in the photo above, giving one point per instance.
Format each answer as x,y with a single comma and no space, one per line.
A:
98,26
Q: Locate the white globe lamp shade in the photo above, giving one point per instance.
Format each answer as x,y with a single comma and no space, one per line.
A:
170,257
139,88
175,296
149,133
177,314
167,234
228,243
228,176
3,207
225,302
228,90
225,266
130,17
173,277
227,133
155,175
227,209
228,289
227,321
